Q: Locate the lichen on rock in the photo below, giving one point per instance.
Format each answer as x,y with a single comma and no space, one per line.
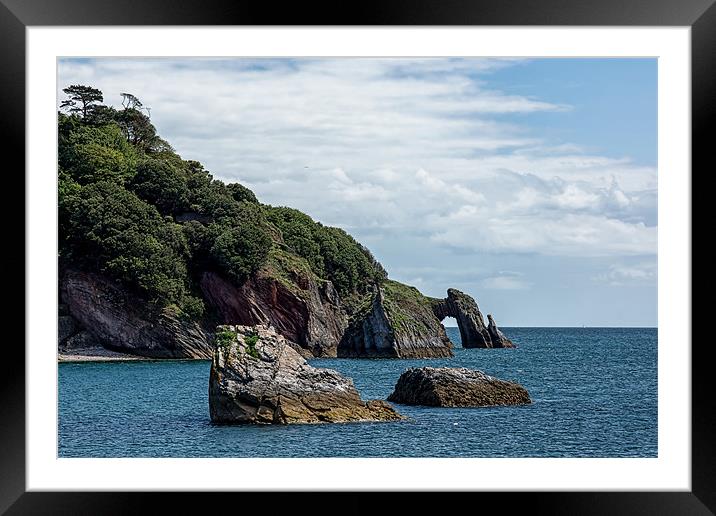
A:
257,377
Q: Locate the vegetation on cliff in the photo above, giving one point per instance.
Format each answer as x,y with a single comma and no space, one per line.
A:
133,210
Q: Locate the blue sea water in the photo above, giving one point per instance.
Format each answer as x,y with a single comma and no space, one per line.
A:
594,393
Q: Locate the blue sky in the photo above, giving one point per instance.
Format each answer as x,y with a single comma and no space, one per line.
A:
613,102
529,183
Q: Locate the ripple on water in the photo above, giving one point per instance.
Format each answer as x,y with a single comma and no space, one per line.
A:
593,390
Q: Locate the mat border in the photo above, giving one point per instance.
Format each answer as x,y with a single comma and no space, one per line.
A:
16,15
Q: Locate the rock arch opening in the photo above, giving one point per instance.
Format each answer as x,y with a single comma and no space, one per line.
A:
473,332
451,329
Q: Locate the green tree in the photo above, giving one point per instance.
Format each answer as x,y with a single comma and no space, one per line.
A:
111,230
159,183
82,99
139,131
91,154
243,248
241,193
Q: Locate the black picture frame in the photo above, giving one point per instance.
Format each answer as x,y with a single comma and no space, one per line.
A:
16,15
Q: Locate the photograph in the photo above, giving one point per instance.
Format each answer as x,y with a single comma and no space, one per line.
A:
357,257
427,248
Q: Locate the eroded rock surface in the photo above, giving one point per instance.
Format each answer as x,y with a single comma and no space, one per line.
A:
464,309
257,377
122,322
456,387
307,312
496,336
397,323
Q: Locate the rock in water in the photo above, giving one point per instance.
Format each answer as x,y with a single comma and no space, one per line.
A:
464,309
256,377
498,338
456,387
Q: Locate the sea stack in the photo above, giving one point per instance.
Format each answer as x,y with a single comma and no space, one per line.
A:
496,336
257,377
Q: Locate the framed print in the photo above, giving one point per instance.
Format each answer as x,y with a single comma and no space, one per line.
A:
270,250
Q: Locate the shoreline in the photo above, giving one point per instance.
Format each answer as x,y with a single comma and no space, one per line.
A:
99,354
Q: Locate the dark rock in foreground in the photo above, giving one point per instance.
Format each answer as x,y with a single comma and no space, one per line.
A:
256,377
456,387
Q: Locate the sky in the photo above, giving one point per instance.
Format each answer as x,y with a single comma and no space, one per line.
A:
530,184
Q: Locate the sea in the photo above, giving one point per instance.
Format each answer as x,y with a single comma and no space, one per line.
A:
593,390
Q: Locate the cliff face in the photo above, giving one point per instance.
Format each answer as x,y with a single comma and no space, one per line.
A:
307,313
398,322
122,322
395,321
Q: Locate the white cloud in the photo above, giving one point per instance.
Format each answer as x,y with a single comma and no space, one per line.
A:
620,274
392,148
505,282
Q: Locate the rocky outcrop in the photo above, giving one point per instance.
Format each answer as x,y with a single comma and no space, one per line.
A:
464,309
473,332
455,387
256,377
122,322
80,340
66,327
71,336
496,336
306,311
397,322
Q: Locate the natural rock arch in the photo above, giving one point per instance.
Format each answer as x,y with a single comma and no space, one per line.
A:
473,332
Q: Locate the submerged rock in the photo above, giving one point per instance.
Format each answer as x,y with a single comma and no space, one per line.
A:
456,387
257,377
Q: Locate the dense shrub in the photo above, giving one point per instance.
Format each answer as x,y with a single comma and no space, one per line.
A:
331,252
241,193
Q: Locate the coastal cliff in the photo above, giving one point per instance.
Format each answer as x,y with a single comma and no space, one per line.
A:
111,317
396,322
303,308
155,253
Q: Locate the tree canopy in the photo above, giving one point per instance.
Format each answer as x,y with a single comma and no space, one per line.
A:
132,209
81,99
